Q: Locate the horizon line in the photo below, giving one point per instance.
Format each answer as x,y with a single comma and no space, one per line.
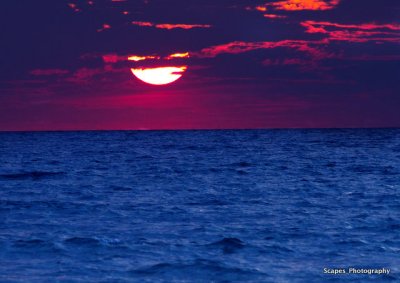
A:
200,129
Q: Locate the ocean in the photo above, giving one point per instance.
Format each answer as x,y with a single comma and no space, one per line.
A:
200,206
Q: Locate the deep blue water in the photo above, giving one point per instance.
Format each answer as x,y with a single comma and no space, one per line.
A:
199,206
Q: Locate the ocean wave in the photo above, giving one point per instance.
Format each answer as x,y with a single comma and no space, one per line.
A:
94,242
242,164
229,245
82,241
36,245
199,266
33,175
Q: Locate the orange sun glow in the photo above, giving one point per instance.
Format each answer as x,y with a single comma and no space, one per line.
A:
160,75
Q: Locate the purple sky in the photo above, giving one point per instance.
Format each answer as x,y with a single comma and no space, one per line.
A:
252,64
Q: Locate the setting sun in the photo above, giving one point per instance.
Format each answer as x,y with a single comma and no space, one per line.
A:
160,75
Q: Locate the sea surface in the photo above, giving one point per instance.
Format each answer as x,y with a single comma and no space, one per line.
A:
199,206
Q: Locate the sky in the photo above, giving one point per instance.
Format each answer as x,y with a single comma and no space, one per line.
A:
248,64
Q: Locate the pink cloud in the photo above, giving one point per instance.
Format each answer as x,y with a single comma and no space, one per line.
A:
74,7
355,32
113,58
104,27
143,24
237,47
170,26
274,16
298,5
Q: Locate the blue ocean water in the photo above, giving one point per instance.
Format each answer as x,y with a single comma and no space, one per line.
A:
199,206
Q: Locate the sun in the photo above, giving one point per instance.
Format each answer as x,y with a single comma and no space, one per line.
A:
160,75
